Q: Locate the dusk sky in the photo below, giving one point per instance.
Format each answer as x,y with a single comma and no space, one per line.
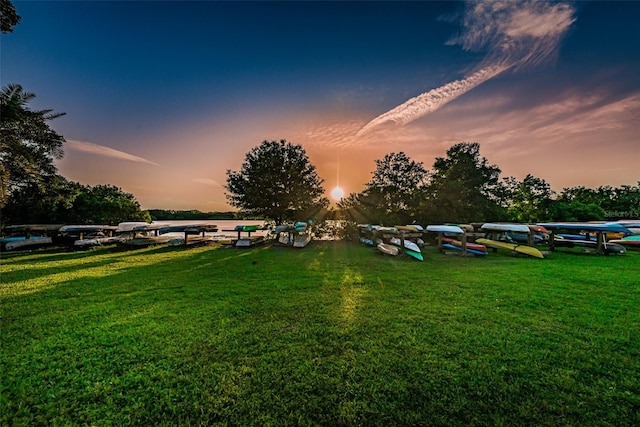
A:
161,98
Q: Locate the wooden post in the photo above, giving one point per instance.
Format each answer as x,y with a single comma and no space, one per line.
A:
440,241
530,238
552,241
600,241
464,243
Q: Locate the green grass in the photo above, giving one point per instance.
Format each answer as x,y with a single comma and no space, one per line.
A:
334,334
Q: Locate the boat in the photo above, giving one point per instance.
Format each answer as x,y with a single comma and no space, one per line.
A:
22,242
86,235
491,226
387,230
453,229
459,249
410,248
31,236
143,235
518,236
300,240
611,247
366,242
411,228
470,246
466,227
521,249
633,241
612,227
537,229
246,242
388,249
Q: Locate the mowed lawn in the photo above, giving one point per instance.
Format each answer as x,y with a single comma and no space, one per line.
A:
333,334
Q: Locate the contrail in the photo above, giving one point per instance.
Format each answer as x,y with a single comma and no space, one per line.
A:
432,100
101,150
517,34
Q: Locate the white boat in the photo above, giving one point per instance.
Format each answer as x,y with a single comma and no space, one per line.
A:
454,229
300,240
143,235
23,243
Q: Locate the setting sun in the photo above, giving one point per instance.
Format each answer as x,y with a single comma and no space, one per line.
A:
337,193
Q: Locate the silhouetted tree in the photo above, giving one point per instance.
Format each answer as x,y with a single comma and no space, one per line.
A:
277,181
529,199
8,17
393,194
463,187
28,145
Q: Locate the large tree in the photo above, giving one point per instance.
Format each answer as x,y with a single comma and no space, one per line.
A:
28,145
463,187
393,193
8,17
530,199
277,181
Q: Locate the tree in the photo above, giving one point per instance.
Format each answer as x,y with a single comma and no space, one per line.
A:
28,145
8,17
33,204
529,200
68,202
463,187
393,194
276,181
106,204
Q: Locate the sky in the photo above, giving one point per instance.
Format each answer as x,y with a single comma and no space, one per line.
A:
162,98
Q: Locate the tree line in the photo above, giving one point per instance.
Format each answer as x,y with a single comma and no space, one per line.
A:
464,187
279,182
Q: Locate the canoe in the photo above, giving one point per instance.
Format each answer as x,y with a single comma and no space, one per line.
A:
365,241
24,243
299,226
301,240
445,229
387,230
490,226
576,237
388,249
128,226
521,249
611,247
466,227
626,242
410,248
411,228
470,245
537,228
459,249
613,227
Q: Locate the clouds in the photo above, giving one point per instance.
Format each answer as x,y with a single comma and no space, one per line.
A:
101,150
514,34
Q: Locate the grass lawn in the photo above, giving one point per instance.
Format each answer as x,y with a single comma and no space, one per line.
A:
334,334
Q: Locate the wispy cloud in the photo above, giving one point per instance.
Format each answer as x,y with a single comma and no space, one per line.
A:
207,181
515,35
101,150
